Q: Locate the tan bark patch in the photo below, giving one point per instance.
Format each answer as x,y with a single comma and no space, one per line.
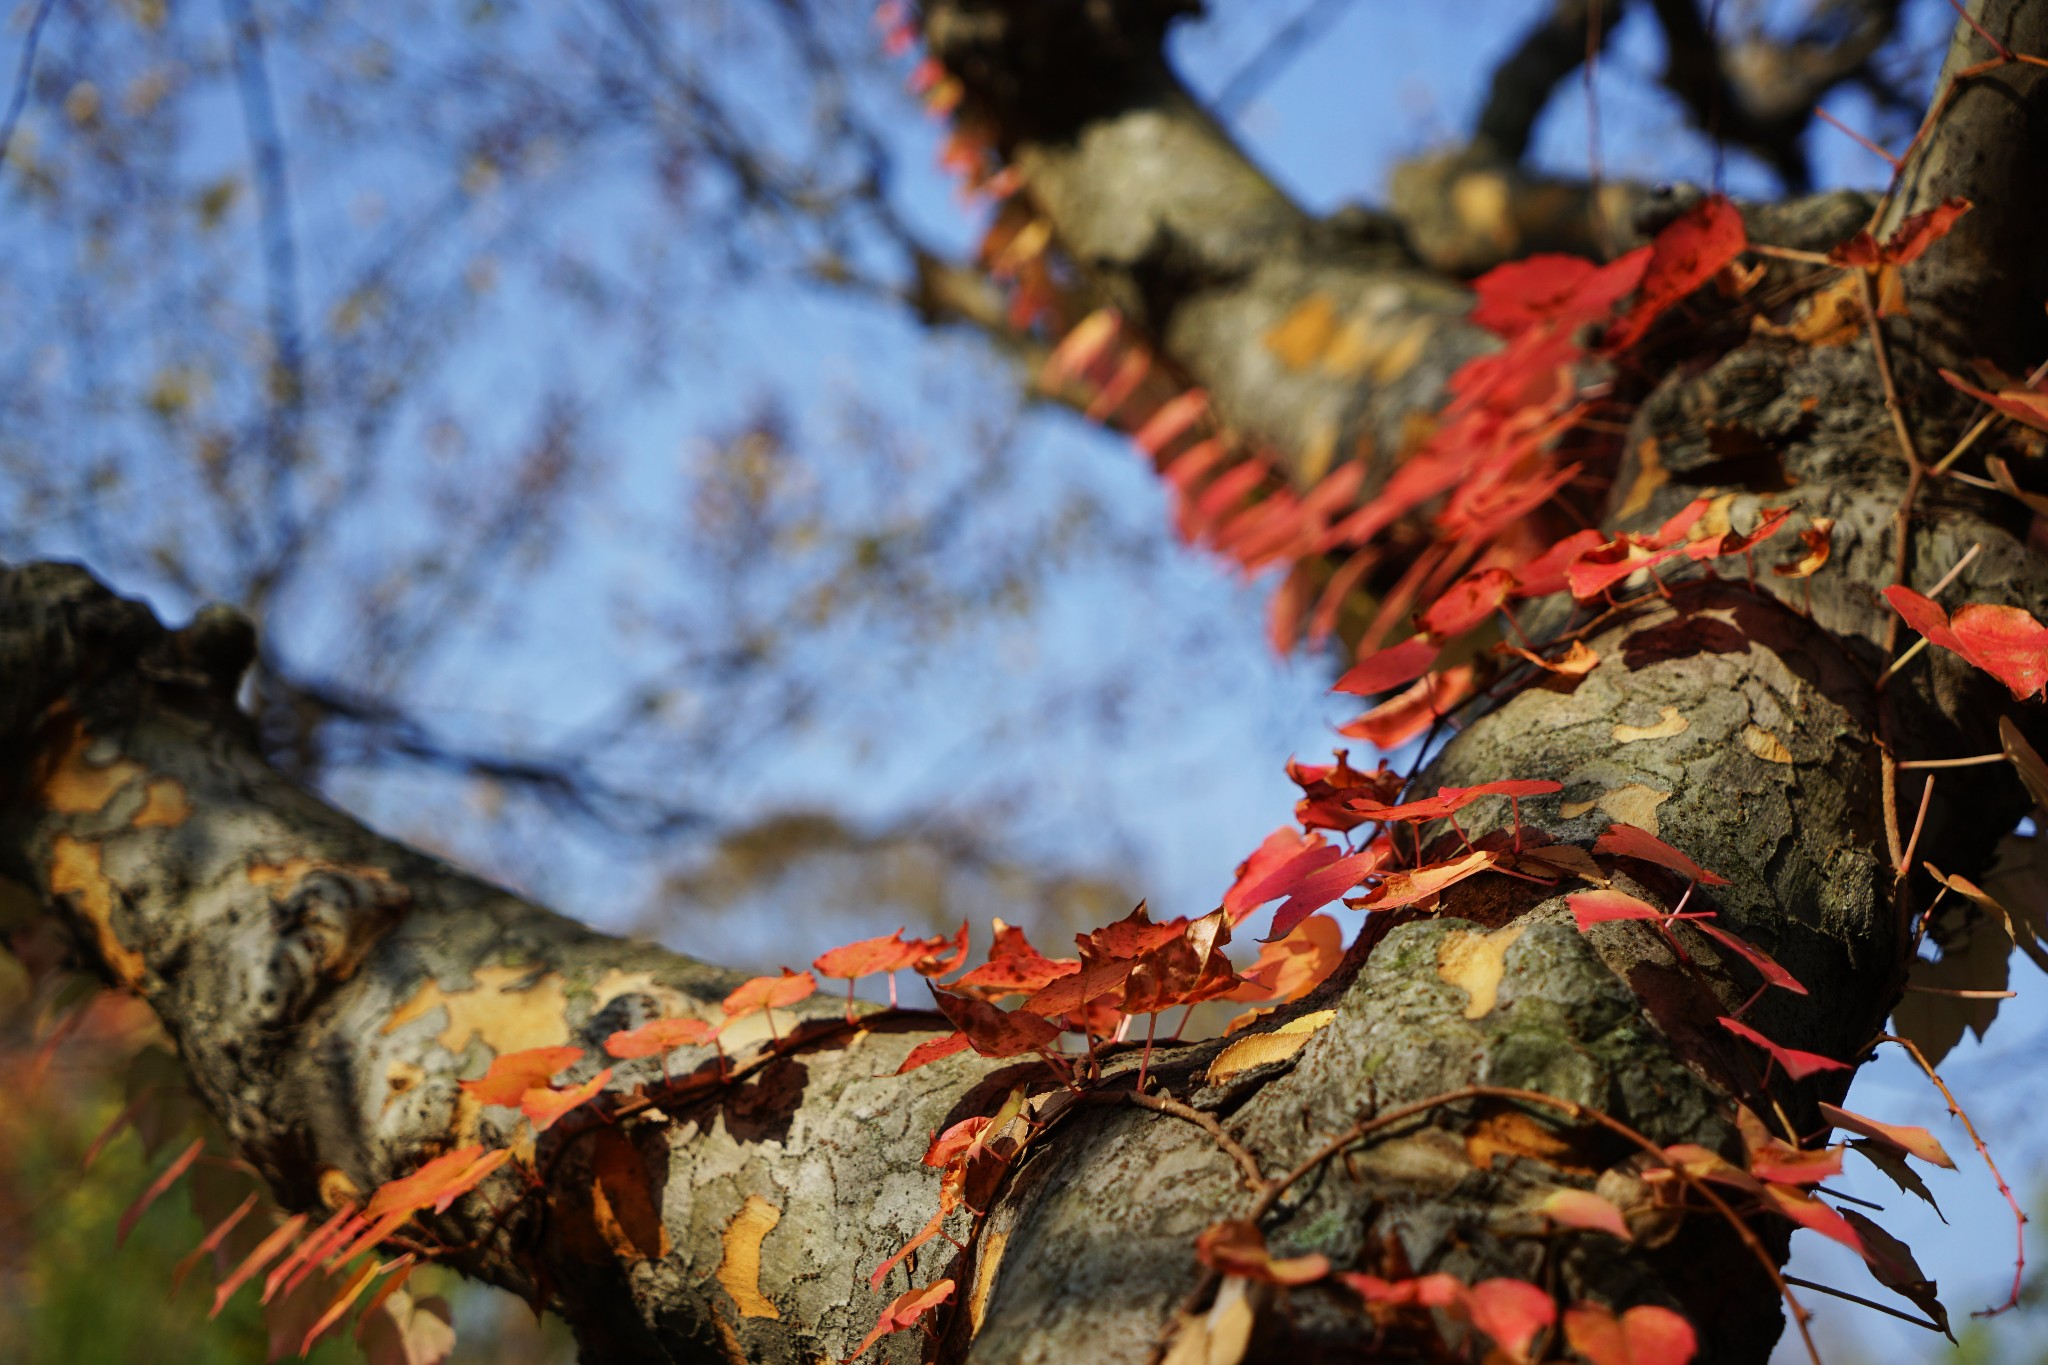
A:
1473,962
1305,333
400,1078
1650,476
336,1189
672,1002
75,871
164,805
740,1269
1765,745
69,785
292,871
508,1010
1669,723
1635,805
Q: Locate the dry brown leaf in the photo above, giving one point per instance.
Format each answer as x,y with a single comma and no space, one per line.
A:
1669,723
1513,1133
1765,745
2033,772
740,1269
1569,859
1832,316
1262,1049
1977,961
1473,962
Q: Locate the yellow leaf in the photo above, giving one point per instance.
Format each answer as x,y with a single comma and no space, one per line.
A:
1473,962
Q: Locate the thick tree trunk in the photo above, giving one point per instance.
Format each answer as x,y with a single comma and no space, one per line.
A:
327,988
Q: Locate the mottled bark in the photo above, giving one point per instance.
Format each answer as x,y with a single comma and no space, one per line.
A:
327,987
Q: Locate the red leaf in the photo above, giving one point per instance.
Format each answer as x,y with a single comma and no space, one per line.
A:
1685,255
1904,246
1754,956
1393,723
512,1074
1275,852
1014,966
1907,1138
1512,1312
1798,1065
918,1239
658,1037
1550,288
902,1312
1600,907
1629,842
2005,642
1388,668
929,963
544,1107
1467,602
2029,407
1545,574
1600,568
769,993
1644,1335
932,1049
1174,417
1314,892
1512,786
993,1032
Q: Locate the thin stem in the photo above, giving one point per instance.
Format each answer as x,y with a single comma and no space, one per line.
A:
2019,1217
1913,763
1858,1298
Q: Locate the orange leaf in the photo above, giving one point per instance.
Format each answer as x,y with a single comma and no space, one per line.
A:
1914,1141
870,956
167,1178
1586,1210
902,1312
1644,1335
543,1107
932,1049
439,1183
658,1037
1416,884
1238,1248
512,1074
1512,1312
1290,967
769,993
261,1256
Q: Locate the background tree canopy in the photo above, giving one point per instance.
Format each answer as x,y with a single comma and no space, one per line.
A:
644,497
